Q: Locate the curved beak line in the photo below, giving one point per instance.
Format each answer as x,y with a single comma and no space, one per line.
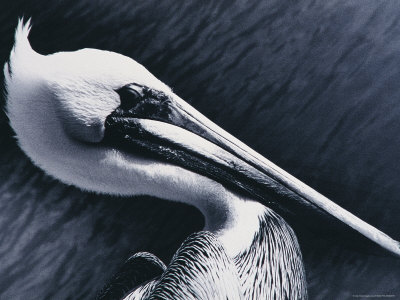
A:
169,128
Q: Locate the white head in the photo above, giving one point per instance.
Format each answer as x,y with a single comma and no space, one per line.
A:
57,105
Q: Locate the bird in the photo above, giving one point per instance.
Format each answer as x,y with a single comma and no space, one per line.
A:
100,121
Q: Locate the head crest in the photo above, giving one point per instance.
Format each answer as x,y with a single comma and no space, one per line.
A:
21,35
20,49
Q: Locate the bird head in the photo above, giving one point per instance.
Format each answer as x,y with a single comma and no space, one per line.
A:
57,105
80,86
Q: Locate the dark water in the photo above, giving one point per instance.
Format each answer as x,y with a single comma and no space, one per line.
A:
312,85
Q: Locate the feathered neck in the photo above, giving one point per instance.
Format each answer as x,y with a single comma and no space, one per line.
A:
272,266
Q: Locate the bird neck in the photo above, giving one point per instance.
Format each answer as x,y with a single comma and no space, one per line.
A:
272,265
261,244
233,218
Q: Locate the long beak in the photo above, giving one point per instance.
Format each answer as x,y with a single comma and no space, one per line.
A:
167,127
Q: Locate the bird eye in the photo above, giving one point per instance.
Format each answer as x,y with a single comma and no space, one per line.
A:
129,96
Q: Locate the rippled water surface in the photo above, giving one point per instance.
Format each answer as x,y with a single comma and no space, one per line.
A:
312,85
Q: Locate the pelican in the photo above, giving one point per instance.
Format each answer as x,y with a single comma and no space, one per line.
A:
100,121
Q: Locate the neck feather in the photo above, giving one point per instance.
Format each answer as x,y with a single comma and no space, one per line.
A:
262,245
232,218
272,266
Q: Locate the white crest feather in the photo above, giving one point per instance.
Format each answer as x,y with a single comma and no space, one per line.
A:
21,43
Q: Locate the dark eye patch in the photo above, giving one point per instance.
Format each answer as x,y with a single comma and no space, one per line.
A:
129,97
148,103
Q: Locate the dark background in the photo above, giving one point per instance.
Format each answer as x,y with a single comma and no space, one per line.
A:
312,85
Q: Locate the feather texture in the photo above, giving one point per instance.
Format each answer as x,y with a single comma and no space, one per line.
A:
271,267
